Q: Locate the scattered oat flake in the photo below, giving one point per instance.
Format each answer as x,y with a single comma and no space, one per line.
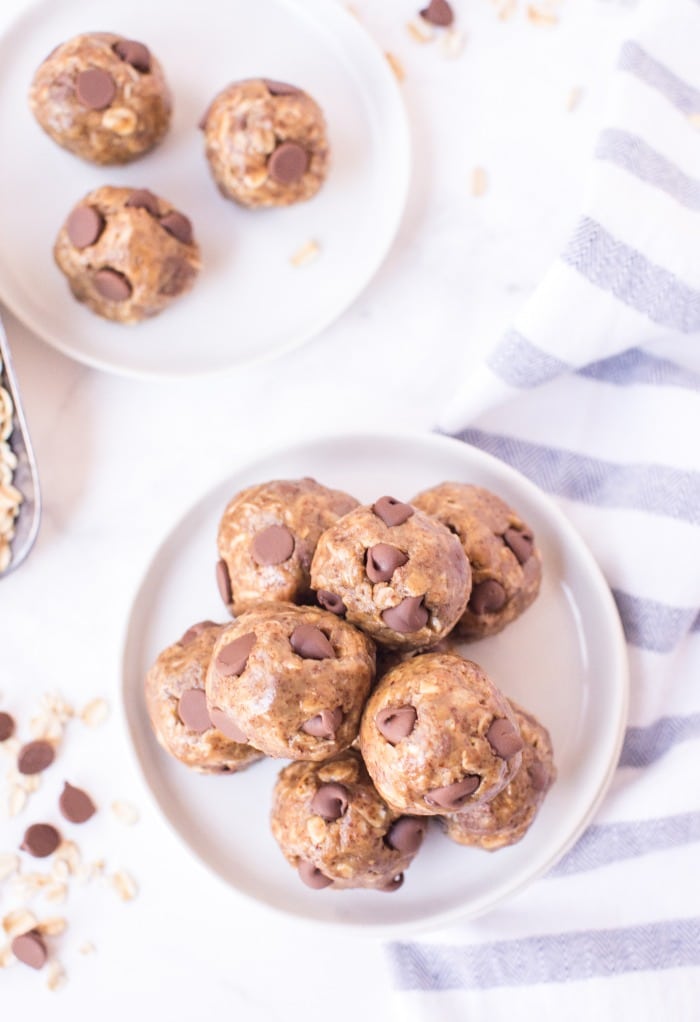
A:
537,16
125,812
69,853
452,43
87,948
16,801
6,956
479,182
420,31
55,976
53,927
9,864
124,884
395,65
56,893
95,713
306,254
18,921
506,9
574,98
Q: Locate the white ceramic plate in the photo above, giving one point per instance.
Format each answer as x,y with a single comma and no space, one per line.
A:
564,659
249,303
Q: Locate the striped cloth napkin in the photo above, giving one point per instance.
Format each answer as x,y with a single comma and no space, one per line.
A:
594,395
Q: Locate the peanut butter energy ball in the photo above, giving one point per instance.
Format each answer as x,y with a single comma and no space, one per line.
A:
103,97
127,253
266,143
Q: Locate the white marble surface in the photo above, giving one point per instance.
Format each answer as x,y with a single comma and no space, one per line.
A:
121,460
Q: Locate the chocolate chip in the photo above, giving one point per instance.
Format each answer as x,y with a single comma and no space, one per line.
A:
280,88
273,545
408,616
330,801
142,198
329,601
312,876
84,226
406,834
521,543
288,163
438,12
392,511
382,561
95,88
223,582
192,710
539,776
227,726
487,597
112,285
392,885
309,642
196,630
232,658
36,756
396,722
134,53
325,724
453,796
504,738
75,804
178,225
7,726
30,949
41,840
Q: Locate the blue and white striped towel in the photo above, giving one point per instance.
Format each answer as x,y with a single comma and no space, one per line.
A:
594,395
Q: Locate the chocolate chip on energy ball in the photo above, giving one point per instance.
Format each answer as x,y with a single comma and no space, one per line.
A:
288,163
521,543
406,834
7,726
192,710
231,659
273,545
330,801
84,226
192,633
438,12
178,225
330,601
75,804
396,722
112,285
223,581
309,642
41,840
35,756
30,949
392,885
392,511
134,53
95,88
382,561
453,796
223,723
312,876
325,724
503,737
408,616
487,597
539,776
280,88
142,198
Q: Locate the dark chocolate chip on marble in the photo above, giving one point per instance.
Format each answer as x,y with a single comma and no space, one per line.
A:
273,545
539,775
487,597
382,561
30,949
504,738
223,582
134,53
408,616
392,511
84,226
309,642
41,840
227,726
312,876
288,163
396,722
178,225
7,726
36,756
142,198
192,710
406,834
112,285
330,801
438,12
75,804
95,88
232,658
324,724
330,601
195,631
392,885
521,543
453,796
280,88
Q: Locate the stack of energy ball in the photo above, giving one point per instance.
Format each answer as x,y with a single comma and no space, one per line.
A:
128,253
339,658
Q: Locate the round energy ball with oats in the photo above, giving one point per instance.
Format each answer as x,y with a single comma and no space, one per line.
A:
394,572
335,829
292,680
267,537
127,253
177,706
438,735
103,97
266,143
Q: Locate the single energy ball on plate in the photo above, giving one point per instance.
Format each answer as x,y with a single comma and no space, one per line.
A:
127,253
177,706
335,829
267,537
291,680
507,817
103,97
266,143
394,572
506,564
437,735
